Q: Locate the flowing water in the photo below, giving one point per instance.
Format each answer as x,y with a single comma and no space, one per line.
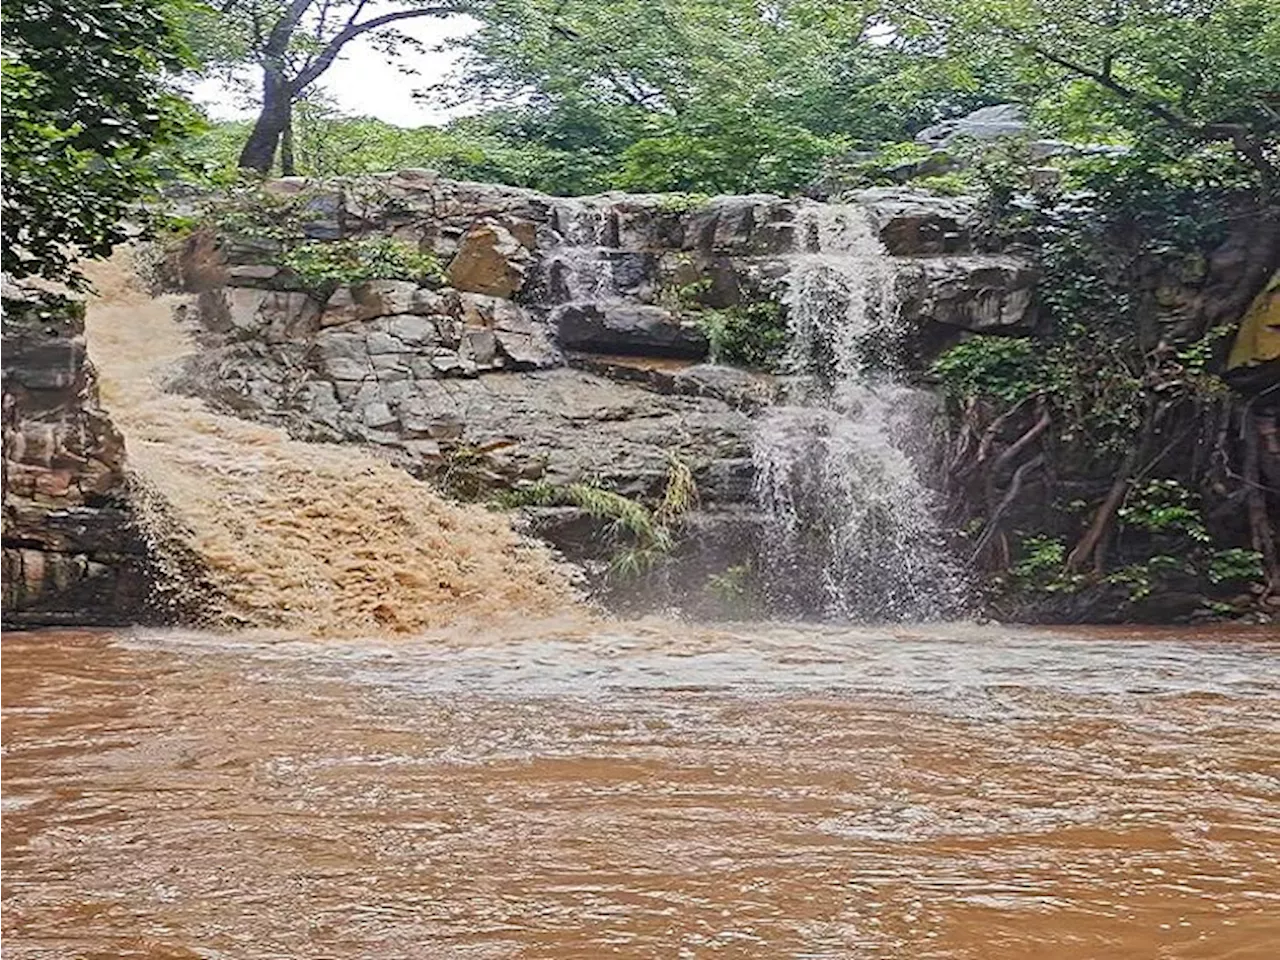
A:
572,788
644,790
852,534
323,539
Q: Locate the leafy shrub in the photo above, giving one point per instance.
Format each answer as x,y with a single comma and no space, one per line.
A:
321,265
749,334
1164,507
246,211
1041,567
1235,564
1006,368
643,536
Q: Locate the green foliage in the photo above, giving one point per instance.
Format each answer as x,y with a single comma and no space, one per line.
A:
323,265
1114,226
1143,579
1006,368
704,95
1162,509
952,184
886,166
86,115
1166,507
643,537
245,210
326,143
1041,567
1235,565
750,335
1163,73
682,202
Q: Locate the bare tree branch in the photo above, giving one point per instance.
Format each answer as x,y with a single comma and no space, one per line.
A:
331,50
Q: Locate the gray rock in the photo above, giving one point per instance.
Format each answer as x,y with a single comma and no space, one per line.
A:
413,331
479,346
378,415
368,301
379,343
913,222
342,355
736,387
273,315
626,329
983,294
252,274
741,226
987,123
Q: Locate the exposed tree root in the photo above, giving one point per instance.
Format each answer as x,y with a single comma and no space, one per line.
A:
992,528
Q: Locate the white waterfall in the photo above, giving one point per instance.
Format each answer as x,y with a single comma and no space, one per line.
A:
851,530
582,269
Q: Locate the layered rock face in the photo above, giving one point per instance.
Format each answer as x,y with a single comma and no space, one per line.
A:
559,290
557,348
70,552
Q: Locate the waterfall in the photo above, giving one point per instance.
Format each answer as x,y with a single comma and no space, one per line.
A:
580,267
851,530
314,538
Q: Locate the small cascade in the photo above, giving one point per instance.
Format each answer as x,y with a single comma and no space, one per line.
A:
581,268
852,534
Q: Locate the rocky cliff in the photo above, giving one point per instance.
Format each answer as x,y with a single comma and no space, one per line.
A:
560,343
71,554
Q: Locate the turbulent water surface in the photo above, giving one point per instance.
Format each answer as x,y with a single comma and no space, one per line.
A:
644,790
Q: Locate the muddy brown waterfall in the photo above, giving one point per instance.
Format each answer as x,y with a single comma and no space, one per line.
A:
320,539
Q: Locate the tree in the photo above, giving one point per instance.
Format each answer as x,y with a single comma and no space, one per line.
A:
1180,72
293,43
711,95
87,115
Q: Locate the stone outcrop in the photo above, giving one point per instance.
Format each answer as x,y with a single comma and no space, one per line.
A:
70,552
985,123
494,257
579,297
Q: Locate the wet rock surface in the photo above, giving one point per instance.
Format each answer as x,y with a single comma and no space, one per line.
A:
557,347
70,551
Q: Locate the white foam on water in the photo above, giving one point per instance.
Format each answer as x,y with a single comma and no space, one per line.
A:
852,530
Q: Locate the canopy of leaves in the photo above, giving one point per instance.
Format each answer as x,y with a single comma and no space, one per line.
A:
714,96
86,116
1173,73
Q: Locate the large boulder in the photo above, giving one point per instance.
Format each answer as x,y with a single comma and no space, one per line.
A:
987,123
915,222
249,312
627,328
982,294
494,258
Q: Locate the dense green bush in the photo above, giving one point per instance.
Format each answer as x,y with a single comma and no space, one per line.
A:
87,115
321,265
750,335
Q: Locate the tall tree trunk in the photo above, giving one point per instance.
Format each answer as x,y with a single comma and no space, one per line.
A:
287,166
260,151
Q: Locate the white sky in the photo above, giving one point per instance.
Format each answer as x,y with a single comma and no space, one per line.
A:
365,83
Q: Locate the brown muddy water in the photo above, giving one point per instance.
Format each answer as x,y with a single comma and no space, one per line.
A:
644,790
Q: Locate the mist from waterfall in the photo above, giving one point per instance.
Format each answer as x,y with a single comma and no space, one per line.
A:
851,525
